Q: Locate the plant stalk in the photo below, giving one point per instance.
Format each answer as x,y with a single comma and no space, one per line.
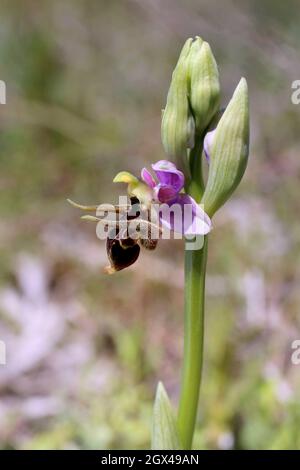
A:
195,269
195,186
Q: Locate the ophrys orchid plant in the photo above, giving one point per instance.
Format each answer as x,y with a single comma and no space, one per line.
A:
175,196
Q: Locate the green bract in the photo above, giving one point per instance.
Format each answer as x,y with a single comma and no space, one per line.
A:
164,428
228,151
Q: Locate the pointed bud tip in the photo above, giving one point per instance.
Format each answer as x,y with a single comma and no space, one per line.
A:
206,46
239,100
185,50
207,54
242,87
197,42
160,387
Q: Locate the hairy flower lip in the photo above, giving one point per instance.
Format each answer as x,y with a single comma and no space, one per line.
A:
120,257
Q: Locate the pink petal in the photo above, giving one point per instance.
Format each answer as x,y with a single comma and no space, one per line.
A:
148,178
185,216
207,143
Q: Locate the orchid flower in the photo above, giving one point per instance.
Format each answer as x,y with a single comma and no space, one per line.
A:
166,189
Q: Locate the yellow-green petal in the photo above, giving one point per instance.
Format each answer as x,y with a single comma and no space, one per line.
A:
125,177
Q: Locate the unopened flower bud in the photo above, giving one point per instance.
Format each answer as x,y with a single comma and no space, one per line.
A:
176,127
227,149
204,84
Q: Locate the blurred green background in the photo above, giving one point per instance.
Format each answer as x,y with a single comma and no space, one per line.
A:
86,81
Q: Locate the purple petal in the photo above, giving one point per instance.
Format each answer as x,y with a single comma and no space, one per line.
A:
201,223
168,174
185,216
208,140
148,178
165,193
164,164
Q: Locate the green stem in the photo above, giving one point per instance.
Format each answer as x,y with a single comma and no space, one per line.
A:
195,268
195,186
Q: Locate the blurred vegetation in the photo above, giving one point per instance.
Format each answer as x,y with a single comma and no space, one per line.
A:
85,85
